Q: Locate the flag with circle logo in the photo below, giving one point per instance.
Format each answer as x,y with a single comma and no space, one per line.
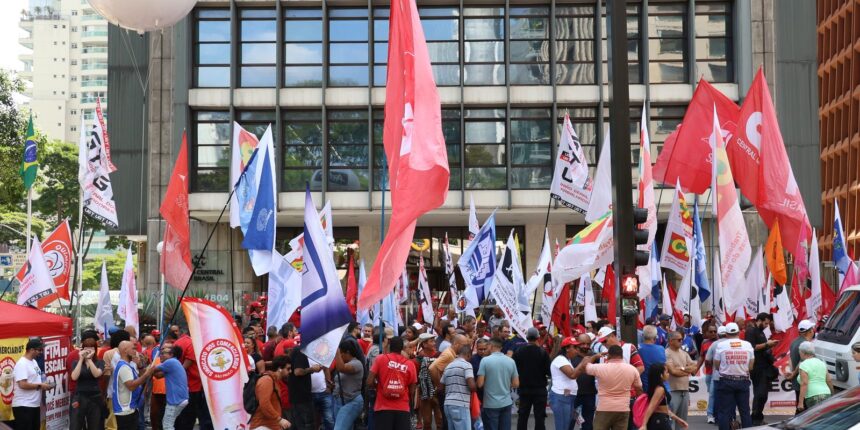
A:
675,254
30,164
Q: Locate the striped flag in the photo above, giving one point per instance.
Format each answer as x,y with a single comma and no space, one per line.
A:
589,249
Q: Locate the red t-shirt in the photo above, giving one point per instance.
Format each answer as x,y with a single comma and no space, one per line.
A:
282,348
384,364
284,391
194,383
706,345
365,345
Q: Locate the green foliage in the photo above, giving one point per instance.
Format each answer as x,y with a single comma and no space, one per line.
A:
57,186
93,271
14,228
13,127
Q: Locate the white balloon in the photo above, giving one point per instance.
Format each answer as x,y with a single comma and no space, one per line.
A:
143,15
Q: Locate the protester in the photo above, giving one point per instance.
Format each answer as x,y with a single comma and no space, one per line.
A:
27,396
680,366
258,366
816,384
366,340
715,375
273,338
87,399
482,350
127,387
663,330
497,317
429,408
562,397
268,413
158,398
197,409
615,379
497,376
658,415
807,334
394,378
606,337
348,401
322,398
764,371
175,380
650,352
692,337
111,358
733,359
458,382
586,394
533,366
299,384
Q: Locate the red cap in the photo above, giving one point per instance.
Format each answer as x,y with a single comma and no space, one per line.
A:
538,325
568,341
289,343
155,333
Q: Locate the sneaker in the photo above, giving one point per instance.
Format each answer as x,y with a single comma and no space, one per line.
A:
711,420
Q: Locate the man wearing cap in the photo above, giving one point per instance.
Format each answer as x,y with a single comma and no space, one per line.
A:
533,365
764,371
197,409
27,397
807,334
586,394
734,358
616,379
663,330
429,406
710,333
607,337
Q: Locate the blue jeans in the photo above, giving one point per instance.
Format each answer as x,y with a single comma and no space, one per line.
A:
170,414
323,405
346,414
562,409
709,379
587,403
496,418
458,417
733,394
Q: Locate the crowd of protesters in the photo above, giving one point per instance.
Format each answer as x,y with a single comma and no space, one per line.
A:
456,374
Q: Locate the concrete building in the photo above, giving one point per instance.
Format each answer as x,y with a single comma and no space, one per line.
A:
67,68
507,74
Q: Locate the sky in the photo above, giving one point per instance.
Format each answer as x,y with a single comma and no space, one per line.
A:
10,15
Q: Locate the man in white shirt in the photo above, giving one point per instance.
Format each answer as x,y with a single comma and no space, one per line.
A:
733,359
27,397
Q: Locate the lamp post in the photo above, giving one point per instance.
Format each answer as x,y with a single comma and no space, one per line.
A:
160,248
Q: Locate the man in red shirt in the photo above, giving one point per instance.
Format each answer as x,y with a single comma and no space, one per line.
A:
366,340
196,410
394,378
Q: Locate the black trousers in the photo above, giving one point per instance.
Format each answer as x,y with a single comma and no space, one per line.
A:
588,403
86,412
761,389
529,401
127,422
659,421
303,416
391,420
197,410
26,418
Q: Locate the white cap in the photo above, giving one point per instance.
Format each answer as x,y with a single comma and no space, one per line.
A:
417,326
805,325
721,330
732,328
604,332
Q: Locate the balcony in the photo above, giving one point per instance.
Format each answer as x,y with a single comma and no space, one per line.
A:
94,83
26,42
92,17
26,58
94,35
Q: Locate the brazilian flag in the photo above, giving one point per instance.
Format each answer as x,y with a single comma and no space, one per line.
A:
30,164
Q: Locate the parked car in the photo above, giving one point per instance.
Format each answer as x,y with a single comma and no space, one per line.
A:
840,412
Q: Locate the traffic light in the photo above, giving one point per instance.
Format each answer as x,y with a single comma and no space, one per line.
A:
640,235
630,285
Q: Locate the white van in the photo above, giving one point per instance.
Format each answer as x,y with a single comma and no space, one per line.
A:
834,340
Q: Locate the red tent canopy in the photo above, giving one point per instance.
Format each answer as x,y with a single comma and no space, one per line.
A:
22,321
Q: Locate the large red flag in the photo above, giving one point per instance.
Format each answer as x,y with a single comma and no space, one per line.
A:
59,256
561,311
608,293
757,149
351,284
176,249
828,300
414,146
687,155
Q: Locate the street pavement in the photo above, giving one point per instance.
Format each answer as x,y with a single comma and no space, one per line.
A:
696,422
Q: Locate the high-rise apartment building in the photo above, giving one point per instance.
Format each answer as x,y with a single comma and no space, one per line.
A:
67,68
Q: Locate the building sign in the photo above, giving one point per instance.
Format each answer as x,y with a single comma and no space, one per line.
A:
209,267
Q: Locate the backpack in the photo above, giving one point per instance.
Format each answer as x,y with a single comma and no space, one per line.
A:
393,386
249,393
640,405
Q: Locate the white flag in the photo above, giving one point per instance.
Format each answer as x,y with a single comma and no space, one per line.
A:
127,309
474,227
646,182
717,304
285,291
813,303
683,299
371,314
590,249
424,297
37,282
584,284
678,238
590,312
104,312
571,183
507,284
601,196
543,268
783,319
765,302
754,284
667,300
94,175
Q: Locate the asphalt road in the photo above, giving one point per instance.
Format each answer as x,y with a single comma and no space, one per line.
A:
696,422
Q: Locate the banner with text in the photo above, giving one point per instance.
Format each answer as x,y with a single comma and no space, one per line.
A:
10,351
57,399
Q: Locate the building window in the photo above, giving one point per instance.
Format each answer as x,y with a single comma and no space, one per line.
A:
303,48
73,128
664,120
379,162
74,112
380,47
258,51
211,158
531,148
574,45
529,45
347,151
348,48
485,156
74,29
667,43
484,48
713,41
634,74
74,13
74,46
584,121
442,31
303,158
212,59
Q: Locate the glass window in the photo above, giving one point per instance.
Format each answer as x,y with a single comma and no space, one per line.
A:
529,45
212,48
574,45
714,42
210,151
303,48
258,49
633,41
664,120
348,49
584,121
531,148
380,46
442,31
303,159
347,151
484,150
667,46
484,47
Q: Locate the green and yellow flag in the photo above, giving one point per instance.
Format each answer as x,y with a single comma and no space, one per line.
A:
30,164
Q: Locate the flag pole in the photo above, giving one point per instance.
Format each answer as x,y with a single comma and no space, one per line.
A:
29,218
545,227
381,239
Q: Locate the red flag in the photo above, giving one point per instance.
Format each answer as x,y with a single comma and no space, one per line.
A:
351,284
798,301
687,156
176,248
828,299
59,256
561,311
768,180
608,293
414,146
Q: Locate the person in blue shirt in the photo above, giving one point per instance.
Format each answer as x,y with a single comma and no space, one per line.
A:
692,337
663,330
650,352
176,384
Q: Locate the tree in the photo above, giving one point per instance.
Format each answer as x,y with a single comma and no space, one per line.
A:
13,227
13,127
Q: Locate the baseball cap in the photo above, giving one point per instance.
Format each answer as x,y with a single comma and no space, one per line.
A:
732,328
417,326
289,343
532,333
721,330
155,333
604,333
34,343
425,336
568,341
804,326
665,317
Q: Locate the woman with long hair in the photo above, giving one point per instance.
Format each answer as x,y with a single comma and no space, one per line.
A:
658,416
256,360
348,402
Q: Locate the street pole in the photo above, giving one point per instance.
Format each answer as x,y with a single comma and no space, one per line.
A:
622,180
160,249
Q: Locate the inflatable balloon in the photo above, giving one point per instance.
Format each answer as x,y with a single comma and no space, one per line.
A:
143,15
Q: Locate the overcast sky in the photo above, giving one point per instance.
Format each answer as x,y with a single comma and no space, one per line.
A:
10,15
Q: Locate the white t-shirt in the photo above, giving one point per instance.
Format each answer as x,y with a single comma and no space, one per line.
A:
27,370
124,395
318,382
734,356
560,381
